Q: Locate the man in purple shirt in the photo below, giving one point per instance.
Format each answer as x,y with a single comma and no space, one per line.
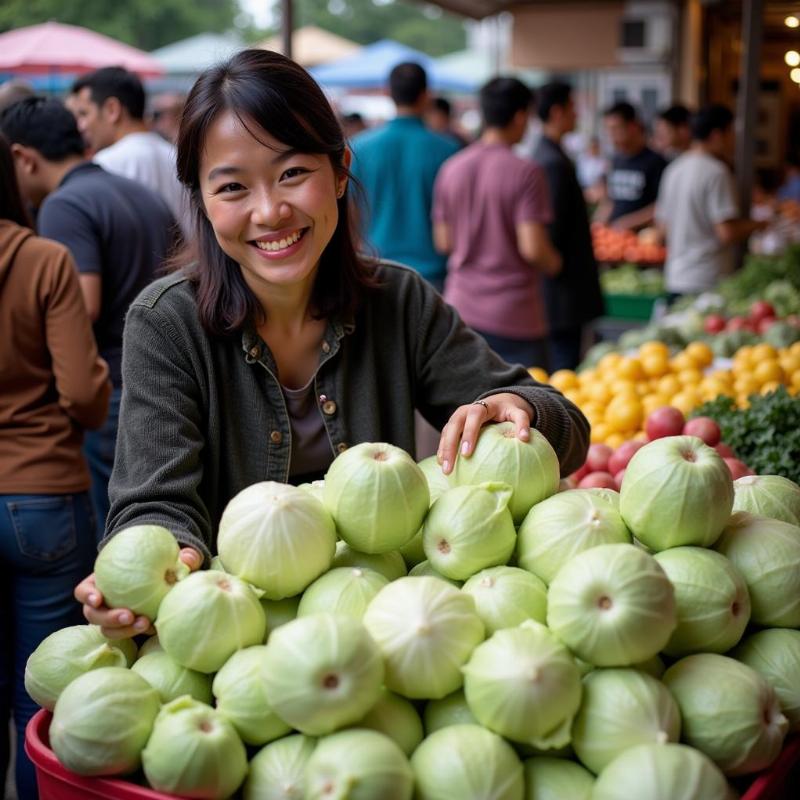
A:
490,212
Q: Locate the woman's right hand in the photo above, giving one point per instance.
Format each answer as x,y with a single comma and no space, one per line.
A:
121,623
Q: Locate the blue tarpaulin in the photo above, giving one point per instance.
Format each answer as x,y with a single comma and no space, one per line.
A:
369,68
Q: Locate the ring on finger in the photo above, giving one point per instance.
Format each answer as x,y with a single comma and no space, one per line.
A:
482,403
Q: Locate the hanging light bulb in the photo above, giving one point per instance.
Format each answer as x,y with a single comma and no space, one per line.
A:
792,22
795,74
792,58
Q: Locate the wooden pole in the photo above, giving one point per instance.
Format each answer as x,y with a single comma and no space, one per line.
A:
747,100
287,25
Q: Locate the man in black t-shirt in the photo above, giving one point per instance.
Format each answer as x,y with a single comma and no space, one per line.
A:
118,231
632,181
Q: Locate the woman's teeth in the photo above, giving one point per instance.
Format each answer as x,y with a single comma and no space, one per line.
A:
282,244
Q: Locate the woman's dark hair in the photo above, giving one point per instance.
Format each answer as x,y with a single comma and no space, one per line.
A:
12,206
268,90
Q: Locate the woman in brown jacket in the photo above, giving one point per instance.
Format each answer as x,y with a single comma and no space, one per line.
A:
53,386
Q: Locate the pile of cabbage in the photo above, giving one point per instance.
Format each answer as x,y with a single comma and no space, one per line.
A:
392,633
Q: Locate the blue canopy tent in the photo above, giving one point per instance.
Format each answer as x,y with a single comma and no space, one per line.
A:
369,68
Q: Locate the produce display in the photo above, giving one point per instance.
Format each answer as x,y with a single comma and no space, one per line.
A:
629,279
612,245
559,642
621,391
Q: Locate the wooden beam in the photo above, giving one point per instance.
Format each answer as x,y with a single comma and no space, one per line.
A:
287,26
747,100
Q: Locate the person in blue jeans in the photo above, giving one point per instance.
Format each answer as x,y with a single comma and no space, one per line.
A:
118,231
53,386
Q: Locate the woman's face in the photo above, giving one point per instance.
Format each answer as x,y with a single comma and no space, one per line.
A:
273,210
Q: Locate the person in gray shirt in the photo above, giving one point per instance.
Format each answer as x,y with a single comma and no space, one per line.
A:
275,298
697,210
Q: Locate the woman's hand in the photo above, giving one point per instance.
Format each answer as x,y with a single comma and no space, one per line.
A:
120,623
465,425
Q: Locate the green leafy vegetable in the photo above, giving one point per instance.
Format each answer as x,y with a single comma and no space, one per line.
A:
766,436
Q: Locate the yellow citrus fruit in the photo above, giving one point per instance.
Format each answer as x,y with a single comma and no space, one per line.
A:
564,379
770,386
654,348
767,372
789,362
654,365
650,402
745,385
624,414
796,379
763,351
722,375
685,401
608,362
599,432
682,361
630,368
574,395
669,385
538,374
598,392
641,436
794,349
623,388
700,353
742,401
587,376
690,377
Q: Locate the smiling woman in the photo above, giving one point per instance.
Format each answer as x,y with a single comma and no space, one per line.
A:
277,345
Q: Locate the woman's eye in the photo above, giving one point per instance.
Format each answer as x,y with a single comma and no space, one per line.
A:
230,187
293,172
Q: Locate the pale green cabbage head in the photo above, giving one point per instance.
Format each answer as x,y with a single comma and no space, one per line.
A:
194,752
346,590
450,710
358,765
468,529
277,771
467,761
137,568
525,685
770,496
557,529
426,630
277,537
548,778
63,656
729,712
661,772
612,605
240,689
322,672
390,565
622,708
102,721
397,718
377,495
171,680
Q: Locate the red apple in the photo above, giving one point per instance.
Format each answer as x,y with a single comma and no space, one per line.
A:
738,469
618,476
598,480
714,323
761,309
622,455
741,324
724,450
597,458
664,421
580,473
764,324
704,428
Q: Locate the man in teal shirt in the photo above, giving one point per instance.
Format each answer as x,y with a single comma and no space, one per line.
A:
396,165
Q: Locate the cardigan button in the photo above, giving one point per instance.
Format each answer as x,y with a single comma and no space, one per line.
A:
329,407
326,348
341,447
255,352
276,437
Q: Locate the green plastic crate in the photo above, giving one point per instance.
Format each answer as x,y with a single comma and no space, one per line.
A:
631,306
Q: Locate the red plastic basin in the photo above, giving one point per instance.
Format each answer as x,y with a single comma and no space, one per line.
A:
57,783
